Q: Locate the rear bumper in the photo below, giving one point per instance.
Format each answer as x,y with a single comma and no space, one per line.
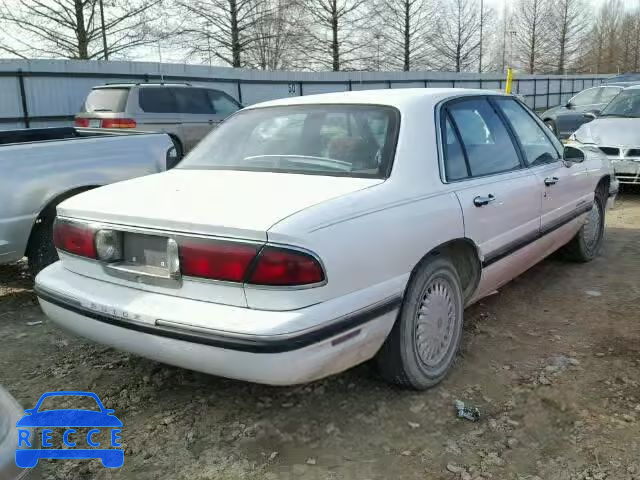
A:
278,359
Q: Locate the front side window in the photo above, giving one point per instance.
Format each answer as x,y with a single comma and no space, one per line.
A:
221,103
341,140
626,104
485,139
536,145
586,97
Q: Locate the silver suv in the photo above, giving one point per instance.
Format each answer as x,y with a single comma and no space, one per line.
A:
185,112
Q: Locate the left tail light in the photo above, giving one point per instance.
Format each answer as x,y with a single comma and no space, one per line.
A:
118,123
81,122
75,238
249,263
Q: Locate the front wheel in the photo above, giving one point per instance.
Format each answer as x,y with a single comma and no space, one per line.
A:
423,342
41,251
587,243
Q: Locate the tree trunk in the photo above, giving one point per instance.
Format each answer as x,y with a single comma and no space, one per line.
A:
407,38
335,47
81,31
235,35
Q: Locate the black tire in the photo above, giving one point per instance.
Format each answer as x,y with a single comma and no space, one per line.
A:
552,126
41,252
401,360
179,149
587,243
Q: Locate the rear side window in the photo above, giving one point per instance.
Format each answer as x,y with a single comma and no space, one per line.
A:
193,100
106,100
221,103
157,100
456,165
484,139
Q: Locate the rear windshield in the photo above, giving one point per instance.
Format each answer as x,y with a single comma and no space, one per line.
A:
339,140
106,100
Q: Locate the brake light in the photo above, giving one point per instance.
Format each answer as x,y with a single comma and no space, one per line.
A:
118,123
218,260
284,267
74,238
82,122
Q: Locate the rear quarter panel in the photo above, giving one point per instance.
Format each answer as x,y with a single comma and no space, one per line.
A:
368,241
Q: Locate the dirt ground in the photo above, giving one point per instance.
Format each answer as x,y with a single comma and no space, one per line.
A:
552,361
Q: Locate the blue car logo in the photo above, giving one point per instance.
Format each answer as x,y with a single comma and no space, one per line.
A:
98,429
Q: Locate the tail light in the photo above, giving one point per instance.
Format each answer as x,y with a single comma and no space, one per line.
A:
285,267
82,122
218,260
76,238
118,123
244,262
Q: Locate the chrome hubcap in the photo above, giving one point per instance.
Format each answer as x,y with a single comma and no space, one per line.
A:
592,227
436,318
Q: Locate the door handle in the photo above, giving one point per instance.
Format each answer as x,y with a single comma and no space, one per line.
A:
551,181
481,201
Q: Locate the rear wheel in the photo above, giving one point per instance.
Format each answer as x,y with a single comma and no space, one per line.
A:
586,245
41,251
423,343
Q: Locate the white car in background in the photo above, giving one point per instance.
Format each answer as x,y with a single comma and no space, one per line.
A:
310,234
616,132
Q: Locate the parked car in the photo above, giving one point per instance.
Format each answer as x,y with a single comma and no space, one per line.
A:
565,119
42,167
616,132
309,234
185,112
10,413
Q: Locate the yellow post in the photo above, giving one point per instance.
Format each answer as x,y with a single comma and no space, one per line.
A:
509,80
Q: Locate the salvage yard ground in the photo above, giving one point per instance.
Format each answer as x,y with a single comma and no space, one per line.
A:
552,362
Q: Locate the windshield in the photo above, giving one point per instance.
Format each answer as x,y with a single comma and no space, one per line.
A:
625,104
60,402
106,100
340,140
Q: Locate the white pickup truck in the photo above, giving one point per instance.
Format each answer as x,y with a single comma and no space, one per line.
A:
39,168
309,234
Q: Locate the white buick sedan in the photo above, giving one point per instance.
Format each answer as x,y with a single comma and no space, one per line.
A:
310,234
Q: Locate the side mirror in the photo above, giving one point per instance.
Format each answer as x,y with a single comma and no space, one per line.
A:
569,104
572,155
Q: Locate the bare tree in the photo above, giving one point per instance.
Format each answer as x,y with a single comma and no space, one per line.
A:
406,26
275,31
602,54
73,28
532,26
457,41
569,24
218,30
334,39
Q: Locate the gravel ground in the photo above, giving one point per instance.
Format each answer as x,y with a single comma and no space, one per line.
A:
552,362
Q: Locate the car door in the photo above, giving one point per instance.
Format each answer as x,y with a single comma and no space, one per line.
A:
500,198
196,114
565,186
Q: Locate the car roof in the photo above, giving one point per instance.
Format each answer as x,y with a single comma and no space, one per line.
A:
399,98
142,84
